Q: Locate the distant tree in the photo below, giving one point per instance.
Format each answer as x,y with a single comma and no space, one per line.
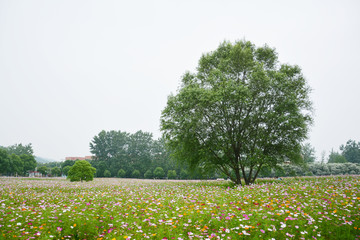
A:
184,174
55,171
140,150
29,162
308,153
107,173
20,149
43,170
159,172
16,165
67,163
136,174
148,174
4,161
171,174
351,151
109,145
81,171
121,173
336,157
239,112
66,169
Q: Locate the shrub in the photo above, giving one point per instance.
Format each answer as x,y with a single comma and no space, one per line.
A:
82,170
121,173
55,171
171,174
107,173
159,172
148,174
65,170
184,174
135,174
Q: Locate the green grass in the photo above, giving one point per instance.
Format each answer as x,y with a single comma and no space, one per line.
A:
293,208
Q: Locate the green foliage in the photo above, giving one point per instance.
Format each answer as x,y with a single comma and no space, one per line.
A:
66,169
81,171
351,151
171,174
159,172
240,111
308,153
148,174
335,157
16,165
312,169
184,174
136,174
19,149
115,150
67,163
107,173
4,161
121,173
43,170
17,160
56,172
29,162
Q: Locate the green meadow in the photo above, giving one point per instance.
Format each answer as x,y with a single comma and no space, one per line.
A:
292,208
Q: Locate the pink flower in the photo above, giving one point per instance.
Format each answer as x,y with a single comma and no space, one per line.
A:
262,231
59,229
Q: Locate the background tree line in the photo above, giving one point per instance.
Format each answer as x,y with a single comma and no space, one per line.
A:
17,160
349,153
138,155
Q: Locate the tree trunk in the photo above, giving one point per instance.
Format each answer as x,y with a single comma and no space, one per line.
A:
238,177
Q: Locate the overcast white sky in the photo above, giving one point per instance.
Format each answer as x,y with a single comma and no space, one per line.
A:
71,68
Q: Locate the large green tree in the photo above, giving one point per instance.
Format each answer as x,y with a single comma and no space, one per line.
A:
29,162
20,149
115,150
81,171
351,151
110,150
242,110
16,165
4,161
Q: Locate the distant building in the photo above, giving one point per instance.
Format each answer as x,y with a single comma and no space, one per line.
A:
79,158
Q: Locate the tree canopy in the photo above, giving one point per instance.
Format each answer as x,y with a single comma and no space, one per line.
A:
117,150
335,157
308,153
17,159
240,111
351,151
81,171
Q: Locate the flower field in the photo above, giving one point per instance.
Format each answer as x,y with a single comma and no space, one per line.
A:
294,208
